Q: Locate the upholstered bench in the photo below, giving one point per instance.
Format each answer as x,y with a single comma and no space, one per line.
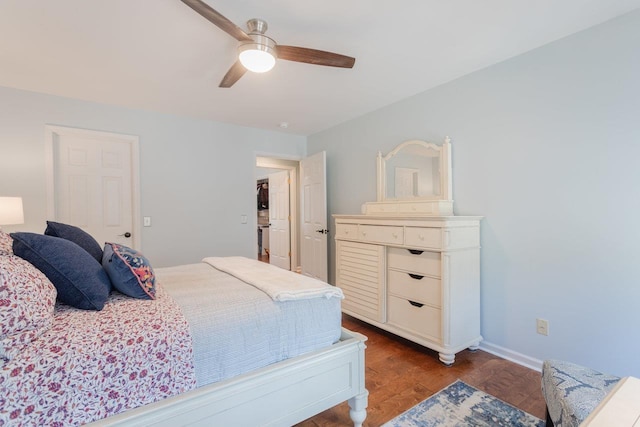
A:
572,391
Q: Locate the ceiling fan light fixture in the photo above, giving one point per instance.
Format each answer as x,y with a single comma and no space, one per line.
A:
257,52
258,56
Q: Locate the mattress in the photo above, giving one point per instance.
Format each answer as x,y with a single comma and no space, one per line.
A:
237,328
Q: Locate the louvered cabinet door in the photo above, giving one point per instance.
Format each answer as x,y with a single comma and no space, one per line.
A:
360,270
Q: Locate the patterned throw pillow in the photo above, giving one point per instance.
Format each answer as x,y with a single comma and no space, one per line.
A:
6,243
75,235
27,301
79,279
130,272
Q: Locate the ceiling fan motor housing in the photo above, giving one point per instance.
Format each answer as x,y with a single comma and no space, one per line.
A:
257,28
256,25
259,53
261,43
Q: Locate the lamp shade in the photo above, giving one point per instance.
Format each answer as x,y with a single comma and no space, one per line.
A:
11,211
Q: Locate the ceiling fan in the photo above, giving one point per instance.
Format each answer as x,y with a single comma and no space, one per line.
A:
257,52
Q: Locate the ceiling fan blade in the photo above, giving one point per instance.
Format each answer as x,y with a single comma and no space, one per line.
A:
233,75
314,56
217,19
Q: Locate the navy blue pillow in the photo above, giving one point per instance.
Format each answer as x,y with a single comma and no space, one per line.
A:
130,272
77,236
79,280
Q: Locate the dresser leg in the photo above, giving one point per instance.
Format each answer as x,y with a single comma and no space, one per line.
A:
475,346
447,358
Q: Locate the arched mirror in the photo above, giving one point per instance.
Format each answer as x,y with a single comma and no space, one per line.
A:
414,180
415,170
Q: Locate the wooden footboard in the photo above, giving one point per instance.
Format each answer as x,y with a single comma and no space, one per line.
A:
281,394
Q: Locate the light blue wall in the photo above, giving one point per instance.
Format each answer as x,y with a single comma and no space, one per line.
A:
197,176
546,146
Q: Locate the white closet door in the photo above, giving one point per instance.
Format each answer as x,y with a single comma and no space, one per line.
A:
279,220
93,183
314,216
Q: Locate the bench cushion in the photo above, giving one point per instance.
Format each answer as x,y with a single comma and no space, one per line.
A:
572,391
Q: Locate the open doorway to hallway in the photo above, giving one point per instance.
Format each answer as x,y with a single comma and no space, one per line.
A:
262,196
277,211
304,249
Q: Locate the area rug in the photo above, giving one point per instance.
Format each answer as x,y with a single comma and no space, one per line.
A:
460,405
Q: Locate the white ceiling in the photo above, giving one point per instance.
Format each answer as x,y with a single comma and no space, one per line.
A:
162,56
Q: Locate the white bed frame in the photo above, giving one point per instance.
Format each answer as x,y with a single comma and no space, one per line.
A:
281,394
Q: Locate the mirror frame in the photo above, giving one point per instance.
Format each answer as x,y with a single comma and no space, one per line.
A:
445,170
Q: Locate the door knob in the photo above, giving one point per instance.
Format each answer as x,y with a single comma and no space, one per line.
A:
325,231
127,234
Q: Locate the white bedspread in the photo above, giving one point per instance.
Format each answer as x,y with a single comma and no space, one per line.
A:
279,284
237,328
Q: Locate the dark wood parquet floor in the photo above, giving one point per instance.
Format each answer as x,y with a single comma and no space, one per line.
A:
400,374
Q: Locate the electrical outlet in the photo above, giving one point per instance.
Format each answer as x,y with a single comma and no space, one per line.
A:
146,221
542,326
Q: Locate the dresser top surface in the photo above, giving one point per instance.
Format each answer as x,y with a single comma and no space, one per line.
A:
408,218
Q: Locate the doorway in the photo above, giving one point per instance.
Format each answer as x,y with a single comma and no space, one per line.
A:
262,196
274,222
307,217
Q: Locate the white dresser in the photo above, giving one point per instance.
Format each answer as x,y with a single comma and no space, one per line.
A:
408,265
416,277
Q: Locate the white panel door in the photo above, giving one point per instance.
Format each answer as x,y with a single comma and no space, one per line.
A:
93,184
279,219
314,216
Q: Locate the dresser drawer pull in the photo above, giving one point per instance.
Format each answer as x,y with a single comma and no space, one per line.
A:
415,251
415,304
415,276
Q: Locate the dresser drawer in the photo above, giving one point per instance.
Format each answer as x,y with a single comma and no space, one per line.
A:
415,287
381,208
423,237
414,261
347,231
424,320
419,208
381,234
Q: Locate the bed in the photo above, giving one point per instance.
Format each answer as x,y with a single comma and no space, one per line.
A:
273,359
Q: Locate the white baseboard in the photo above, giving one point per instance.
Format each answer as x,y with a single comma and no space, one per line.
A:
514,356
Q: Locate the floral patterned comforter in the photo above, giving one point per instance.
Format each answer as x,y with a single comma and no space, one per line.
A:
91,365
